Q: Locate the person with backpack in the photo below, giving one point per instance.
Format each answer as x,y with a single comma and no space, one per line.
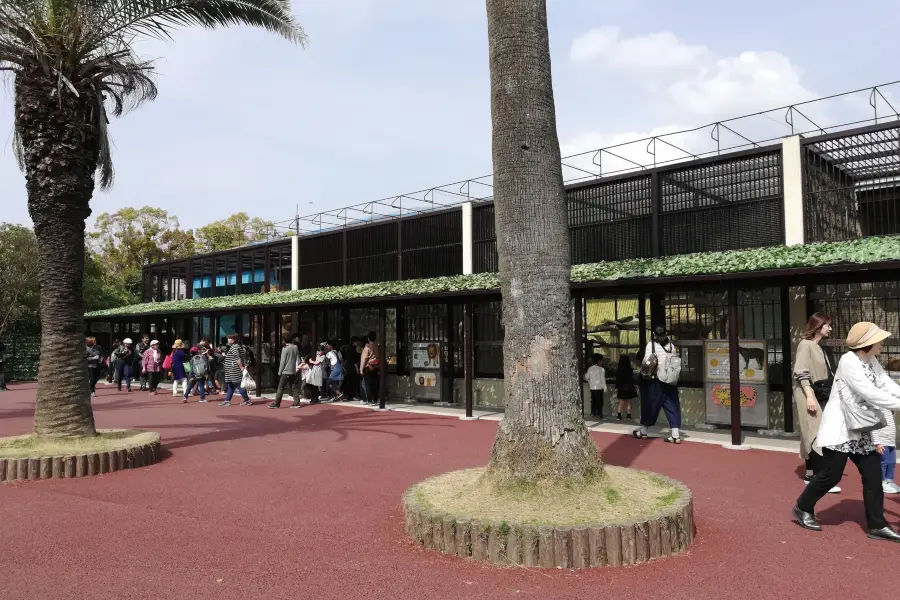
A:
199,367
660,371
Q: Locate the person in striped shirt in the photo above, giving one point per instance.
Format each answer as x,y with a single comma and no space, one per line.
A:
235,363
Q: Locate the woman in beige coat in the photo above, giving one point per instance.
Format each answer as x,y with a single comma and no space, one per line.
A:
811,364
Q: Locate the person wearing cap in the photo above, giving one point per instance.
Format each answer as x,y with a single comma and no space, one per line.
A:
859,378
659,394
179,373
152,365
124,359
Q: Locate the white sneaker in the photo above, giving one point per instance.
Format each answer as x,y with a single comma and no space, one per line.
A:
889,487
895,486
835,490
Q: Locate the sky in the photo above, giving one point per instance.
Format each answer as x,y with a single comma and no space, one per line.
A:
392,96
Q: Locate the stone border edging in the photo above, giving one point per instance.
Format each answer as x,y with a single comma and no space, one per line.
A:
665,533
82,465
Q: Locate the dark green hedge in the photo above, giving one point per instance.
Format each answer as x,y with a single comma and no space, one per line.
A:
863,251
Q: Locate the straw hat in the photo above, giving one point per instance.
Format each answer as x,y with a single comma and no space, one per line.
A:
865,334
178,344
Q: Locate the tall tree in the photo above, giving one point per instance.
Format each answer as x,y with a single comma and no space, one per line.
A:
74,62
543,436
237,230
19,285
131,238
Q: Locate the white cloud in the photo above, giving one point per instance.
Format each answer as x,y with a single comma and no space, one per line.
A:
695,83
651,52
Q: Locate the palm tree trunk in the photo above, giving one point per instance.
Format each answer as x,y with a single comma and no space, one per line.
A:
60,158
543,435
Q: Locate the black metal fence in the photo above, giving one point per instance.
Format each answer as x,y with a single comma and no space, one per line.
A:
722,204
371,254
432,245
852,184
321,261
484,239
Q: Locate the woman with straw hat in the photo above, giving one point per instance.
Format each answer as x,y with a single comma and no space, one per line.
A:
859,378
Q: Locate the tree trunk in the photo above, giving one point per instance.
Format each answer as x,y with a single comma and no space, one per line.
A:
543,435
60,156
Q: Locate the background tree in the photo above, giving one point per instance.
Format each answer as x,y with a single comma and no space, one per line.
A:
131,238
237,230
543,436
19,285
73,63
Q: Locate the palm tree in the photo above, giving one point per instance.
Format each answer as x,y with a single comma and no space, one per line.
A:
543,436
73,63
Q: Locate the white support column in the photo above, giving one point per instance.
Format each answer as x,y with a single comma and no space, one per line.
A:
295,262
467,256
792,178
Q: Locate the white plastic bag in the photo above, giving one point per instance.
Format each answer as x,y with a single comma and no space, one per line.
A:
247,382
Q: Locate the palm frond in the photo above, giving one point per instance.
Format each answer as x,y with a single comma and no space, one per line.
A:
157,18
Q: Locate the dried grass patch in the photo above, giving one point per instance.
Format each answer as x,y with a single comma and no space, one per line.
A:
106,440
621,495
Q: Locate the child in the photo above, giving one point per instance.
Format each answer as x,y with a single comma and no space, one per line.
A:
596,378
885,440
625,388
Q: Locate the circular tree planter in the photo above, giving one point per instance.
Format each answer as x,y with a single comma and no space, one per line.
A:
646,525
27,457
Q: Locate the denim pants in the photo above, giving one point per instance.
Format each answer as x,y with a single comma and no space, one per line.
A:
124,372
658,396
231,388
199,383
888,462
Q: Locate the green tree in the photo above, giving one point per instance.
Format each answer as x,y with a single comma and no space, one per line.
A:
543,436
19,284
132,238
74,63
237,230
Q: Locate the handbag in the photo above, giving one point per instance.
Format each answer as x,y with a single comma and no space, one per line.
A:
247,382
822,387
861,417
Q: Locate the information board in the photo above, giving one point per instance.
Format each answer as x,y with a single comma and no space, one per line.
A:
425,370
753,365
751,357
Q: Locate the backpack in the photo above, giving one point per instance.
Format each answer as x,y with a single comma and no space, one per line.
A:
198,366
670,369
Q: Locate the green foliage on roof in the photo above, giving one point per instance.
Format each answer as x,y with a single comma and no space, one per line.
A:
861,252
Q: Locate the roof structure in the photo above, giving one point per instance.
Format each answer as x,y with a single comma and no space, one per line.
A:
773,261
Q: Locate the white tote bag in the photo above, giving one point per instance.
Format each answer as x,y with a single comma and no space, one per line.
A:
247,382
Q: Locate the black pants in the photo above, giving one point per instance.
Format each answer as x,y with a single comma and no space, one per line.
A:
153,380
373,381
139,374
295,388
597,403
831,469
94,377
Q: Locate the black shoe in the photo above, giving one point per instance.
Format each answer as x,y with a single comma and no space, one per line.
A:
619,417
885,533
297,404
628,416
119,388
808,521
274,405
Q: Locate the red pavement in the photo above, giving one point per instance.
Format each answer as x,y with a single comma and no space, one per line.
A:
255,503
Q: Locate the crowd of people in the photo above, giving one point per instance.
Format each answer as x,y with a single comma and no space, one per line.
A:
327,372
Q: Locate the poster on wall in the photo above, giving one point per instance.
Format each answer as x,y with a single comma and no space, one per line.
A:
751,356
754,404
425,371
426,355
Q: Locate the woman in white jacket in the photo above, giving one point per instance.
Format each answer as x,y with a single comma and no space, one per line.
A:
858,377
